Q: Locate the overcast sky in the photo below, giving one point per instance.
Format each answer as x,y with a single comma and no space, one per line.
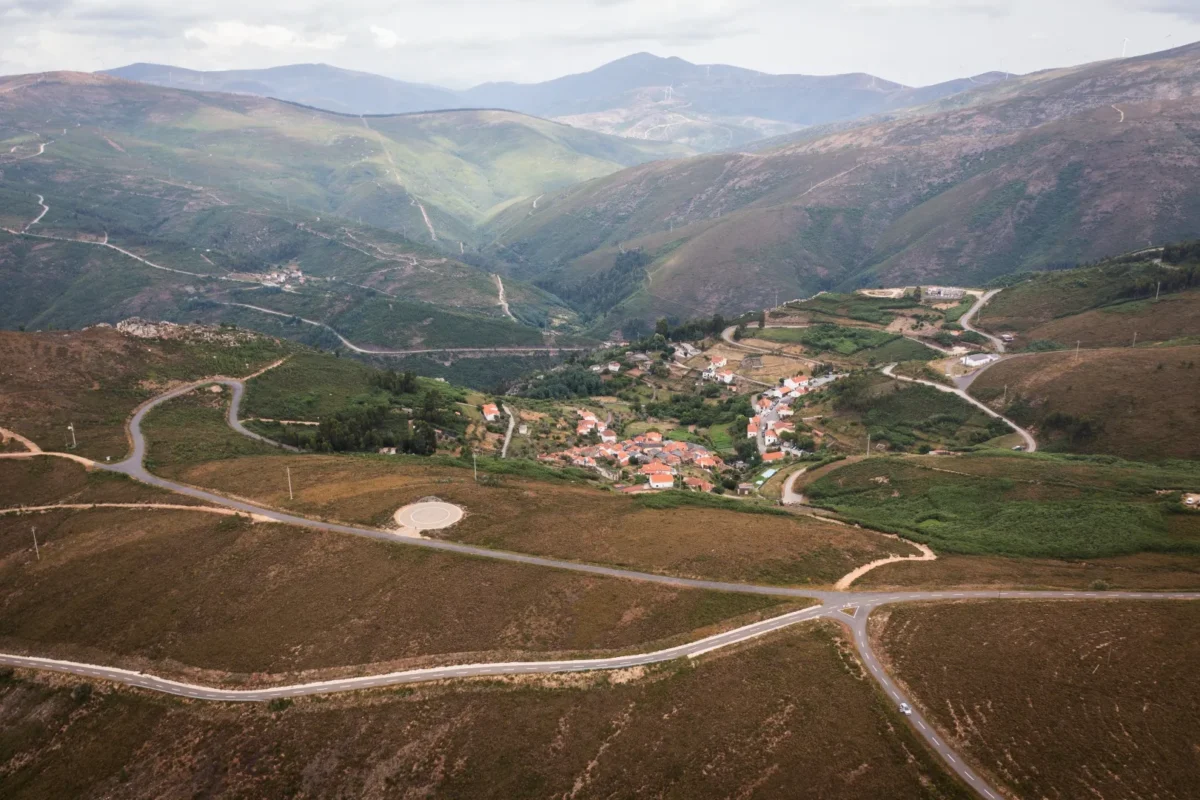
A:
463,42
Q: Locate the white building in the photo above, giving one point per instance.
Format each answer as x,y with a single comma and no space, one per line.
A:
978,360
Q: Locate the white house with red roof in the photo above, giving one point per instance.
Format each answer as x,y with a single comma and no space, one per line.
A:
490,412
662,481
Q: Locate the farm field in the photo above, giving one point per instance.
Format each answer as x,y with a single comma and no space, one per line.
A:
1108,708
560,519
758,721
1036,506
1141,403
221,600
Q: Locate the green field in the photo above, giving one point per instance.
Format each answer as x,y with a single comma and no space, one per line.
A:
1033,505
836,339
877,310
912,418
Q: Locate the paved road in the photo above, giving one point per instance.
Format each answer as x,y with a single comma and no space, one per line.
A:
966,318
830,608
507,351
1030,442
503,298
512,423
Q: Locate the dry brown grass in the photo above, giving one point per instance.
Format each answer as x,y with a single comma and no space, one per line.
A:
1088,699
1174,317
1141,572
96,378
563,521
176,591
1148,400
47,479
791,716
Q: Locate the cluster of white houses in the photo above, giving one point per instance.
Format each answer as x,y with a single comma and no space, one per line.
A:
716,371
661,461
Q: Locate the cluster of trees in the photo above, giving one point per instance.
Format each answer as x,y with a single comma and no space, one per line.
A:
366,428
395,382
1182,253
693,410
601,292
1079,430
567,383
690,330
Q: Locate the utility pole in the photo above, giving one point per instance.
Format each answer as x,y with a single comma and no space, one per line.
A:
1157,291
71,428
1135,338
1004,402
1077,343
868,445
475,465
37,551
289,474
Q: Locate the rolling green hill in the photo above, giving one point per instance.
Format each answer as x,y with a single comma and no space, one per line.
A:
1154,295
161,203
1032,173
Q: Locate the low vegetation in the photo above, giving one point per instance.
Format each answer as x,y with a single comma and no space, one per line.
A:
560,519
912,418
1032,506
836,339
759,722
876,310
94,379
1099,712
220,599
1134,403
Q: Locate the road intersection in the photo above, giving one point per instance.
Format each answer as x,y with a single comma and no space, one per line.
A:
851,609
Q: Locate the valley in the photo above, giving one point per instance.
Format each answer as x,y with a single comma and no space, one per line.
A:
664,429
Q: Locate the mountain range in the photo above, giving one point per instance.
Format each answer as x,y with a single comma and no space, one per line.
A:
409,223
643,96
1052,168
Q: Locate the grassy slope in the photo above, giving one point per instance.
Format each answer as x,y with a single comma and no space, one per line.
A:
214,184
526,513
1032,506
96,378
757,721
226,600
1098,712
1145,401
1013,182
1100,306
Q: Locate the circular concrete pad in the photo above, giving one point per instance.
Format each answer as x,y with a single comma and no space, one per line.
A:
428,516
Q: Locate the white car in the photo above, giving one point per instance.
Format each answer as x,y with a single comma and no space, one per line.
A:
906,709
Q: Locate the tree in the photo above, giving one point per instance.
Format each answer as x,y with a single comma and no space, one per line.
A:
662,328
762,320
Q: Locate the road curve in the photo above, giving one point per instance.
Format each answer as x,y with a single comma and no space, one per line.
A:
830,608
349,345
1030,442
180,689
966,318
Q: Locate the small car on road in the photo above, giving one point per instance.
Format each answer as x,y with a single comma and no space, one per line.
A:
905,709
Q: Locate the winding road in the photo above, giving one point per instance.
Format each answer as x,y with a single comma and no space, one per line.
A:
1026,436
851,609
512,423
349,345
965,320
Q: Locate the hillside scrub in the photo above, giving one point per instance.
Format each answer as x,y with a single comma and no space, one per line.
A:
828,338
1013,507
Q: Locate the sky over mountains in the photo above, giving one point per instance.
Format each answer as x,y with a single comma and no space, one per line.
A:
464,42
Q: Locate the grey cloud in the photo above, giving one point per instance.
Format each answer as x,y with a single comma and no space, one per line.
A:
1185,9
